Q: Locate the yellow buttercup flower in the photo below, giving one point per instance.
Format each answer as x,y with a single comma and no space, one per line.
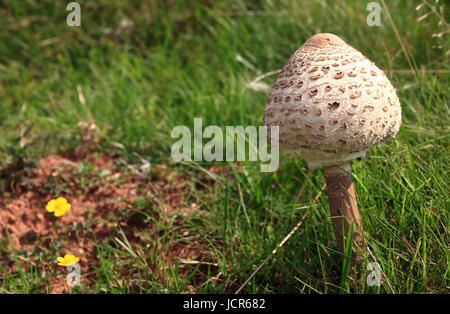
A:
67,260
59,206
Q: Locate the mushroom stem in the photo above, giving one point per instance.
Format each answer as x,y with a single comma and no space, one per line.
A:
342,203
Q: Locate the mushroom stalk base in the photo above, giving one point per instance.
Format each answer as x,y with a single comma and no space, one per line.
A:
342,203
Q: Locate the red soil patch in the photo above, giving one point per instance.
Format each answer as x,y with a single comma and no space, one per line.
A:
25,215
26,219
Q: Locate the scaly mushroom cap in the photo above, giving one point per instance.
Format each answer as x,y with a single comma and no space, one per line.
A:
331,103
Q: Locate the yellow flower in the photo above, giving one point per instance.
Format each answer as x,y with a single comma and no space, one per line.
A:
59,206
67,260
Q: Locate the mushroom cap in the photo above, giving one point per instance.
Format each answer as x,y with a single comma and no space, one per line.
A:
331,103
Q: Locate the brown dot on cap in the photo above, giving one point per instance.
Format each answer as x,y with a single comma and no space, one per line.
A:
333,106
339,75
313,92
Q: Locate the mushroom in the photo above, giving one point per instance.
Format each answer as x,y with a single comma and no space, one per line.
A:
331,104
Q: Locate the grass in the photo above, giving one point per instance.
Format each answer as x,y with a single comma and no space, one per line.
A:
186,59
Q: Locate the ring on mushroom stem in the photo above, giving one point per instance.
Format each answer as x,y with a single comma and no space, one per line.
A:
337,90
